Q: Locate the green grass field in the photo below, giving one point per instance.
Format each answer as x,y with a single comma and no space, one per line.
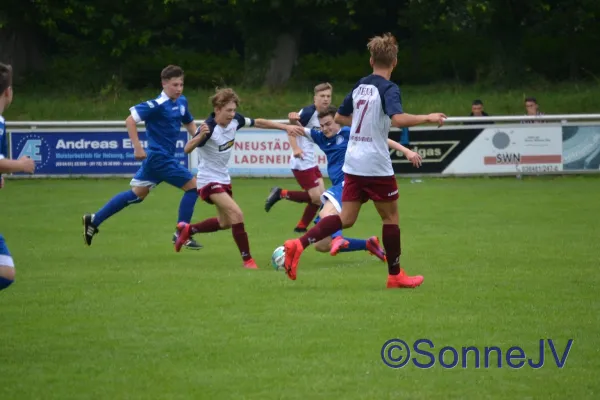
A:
506,262
454,100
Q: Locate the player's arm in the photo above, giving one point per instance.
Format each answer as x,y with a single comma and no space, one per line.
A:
188,121
407,120
23,164
400,119
343,117
410,155
200,137
138,149
139,113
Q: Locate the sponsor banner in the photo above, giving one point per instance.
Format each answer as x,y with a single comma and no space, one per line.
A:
437,147
502,150
264,153
78,152
581,148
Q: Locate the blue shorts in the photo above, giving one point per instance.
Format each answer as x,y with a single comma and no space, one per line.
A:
334,195
157,168
5,257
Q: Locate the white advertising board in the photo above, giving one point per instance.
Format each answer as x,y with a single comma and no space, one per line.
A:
527,149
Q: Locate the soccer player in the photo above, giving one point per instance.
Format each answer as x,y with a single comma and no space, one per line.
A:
214,141
163,118
373,105
303,163
24,164
333,140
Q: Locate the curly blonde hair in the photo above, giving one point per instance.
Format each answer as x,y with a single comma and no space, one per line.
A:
383,49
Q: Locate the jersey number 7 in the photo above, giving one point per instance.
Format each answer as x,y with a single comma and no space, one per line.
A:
362,115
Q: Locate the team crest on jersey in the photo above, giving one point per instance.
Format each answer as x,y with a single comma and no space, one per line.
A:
182,110
226,146
339,139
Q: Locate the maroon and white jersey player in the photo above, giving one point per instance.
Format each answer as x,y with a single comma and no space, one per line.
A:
373,102
215,150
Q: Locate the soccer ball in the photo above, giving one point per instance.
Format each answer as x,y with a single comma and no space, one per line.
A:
278,258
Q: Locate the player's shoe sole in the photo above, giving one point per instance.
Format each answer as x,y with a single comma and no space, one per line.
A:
374,247
403,281
274,197
293,251
337,244
89,229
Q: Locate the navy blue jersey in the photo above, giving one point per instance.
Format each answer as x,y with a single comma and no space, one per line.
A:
163,118
335,150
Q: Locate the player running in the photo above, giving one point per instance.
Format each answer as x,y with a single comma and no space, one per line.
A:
163,118
373,105
333,141
303,163
24,164
214,142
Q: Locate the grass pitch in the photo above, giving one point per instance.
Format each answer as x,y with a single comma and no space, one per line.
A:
506,263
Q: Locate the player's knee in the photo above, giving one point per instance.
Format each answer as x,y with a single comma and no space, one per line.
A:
7,272
236,216
224,223
141,192
347,221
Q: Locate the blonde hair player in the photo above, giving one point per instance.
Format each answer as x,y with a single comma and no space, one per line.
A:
214,141
370,109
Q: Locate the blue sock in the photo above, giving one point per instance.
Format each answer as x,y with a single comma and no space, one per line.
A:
115,205
4,283
186,207
354,245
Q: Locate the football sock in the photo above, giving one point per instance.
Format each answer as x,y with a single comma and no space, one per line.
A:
208,225
186,206
297,196
354,245
310,212
391,244
241,239
114,205
326,227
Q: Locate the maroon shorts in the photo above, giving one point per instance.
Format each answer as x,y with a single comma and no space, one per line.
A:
365,188
309,178
205,191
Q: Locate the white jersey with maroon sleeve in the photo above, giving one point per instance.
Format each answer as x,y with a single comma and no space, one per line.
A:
372,103
214,151
309,119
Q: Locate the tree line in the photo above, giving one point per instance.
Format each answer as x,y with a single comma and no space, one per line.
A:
99,43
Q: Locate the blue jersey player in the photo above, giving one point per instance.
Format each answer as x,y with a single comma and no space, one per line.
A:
163,118
333,141
25,164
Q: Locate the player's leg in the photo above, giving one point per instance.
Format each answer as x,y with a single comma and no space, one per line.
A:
175,174
328,208
314,186
352,198
7,266
185,231
141,184
231,212
384,195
